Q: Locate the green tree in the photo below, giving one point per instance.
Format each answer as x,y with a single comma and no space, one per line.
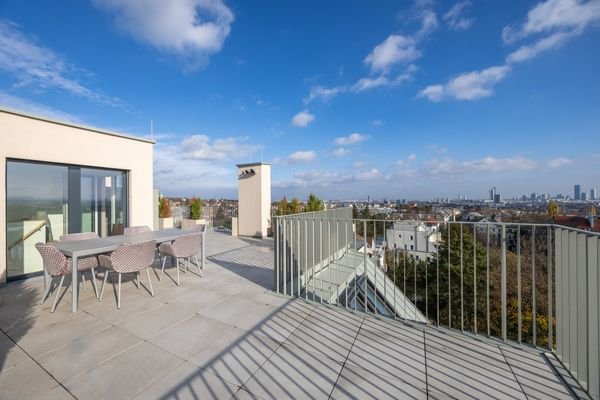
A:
355,213
295,207
283,207
196,208
314,203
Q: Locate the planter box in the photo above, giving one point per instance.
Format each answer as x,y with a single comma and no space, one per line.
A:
190,223
165,223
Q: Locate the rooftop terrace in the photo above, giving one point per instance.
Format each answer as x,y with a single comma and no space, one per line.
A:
225,335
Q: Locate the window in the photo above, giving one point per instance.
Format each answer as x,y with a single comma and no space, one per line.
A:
412,247
45,201
411,237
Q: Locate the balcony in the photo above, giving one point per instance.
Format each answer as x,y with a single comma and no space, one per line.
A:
227,335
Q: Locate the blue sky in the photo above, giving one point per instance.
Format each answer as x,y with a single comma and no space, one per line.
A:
393,99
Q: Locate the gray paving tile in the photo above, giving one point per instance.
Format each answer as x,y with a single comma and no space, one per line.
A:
236,356
468,369
25,380
280,325
239,312
533,373
198,299
388,356
357,383
10,353
245,395
39,340
187,381
294,374
190,336
79,355
150,323
326,332
125,375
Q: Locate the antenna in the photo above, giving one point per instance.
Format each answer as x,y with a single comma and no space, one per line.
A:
152,129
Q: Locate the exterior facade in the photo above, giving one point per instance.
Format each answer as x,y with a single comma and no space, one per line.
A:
418,238
254,199
58,178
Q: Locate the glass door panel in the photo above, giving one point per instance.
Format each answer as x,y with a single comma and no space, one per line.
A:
36,211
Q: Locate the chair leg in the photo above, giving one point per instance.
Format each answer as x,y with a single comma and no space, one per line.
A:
119,293
137,279
103,284
62,279
163,268
83,281
47,291
177,263
94,282
150,282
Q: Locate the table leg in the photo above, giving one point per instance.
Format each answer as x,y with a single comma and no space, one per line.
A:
203,249
74,282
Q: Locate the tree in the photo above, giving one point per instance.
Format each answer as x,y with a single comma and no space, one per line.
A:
195,208
164,208
553,209
282,207
295,207
314,203
355,213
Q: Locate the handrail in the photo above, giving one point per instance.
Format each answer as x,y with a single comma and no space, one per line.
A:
29,234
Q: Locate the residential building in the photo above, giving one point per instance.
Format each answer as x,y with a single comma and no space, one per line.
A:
58,178
419,238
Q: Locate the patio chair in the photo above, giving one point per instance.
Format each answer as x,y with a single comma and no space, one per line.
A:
55,264
132,230
184,247
129,258
84,263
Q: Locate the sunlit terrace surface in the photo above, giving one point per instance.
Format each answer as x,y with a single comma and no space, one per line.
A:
225,335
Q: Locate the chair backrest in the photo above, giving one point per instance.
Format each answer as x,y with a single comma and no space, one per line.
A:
71,237
132,257
198,228
55,262
132,230
187,245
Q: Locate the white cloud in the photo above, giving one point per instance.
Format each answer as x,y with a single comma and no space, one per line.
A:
378,122
18,104
527,52
565,15
455,16
203,148
199,164
189,29
468,86
41,68
340,152
406,163
394,50
558,162
302,156
448,166
353,138
303,119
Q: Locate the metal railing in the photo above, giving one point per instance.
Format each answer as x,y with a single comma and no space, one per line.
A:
533,284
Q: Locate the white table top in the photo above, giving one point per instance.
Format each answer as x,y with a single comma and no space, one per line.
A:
82,248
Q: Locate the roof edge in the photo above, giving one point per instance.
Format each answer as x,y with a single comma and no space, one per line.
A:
73,125
254,164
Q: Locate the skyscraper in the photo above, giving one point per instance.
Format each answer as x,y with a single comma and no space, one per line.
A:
583,196
577,192
593,194
493,193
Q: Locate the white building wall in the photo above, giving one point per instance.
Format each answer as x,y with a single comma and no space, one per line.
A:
254,199
28,137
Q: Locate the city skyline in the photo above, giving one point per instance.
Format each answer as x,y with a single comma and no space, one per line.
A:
420,100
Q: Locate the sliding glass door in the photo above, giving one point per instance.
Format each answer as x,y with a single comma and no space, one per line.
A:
45,201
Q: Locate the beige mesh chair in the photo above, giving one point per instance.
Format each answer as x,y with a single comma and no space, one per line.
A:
132,230
129,258
184,247
55,264
84,263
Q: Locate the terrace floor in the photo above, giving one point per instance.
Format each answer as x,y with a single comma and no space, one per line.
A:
225,336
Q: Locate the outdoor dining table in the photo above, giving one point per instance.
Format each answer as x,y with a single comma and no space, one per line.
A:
91,247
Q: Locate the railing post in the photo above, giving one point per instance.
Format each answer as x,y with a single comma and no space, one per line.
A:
503,280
